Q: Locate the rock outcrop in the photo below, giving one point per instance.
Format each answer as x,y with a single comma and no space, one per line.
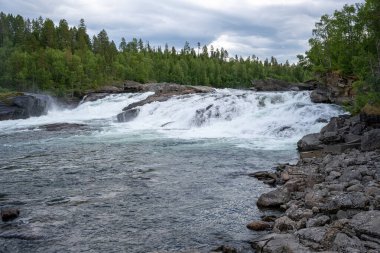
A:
333,88
23,105
279,85
331,201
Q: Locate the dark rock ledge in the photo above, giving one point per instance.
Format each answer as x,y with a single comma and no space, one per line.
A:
331,197
162,92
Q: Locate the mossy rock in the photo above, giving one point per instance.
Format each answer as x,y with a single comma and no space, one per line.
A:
370,114
371,109
6,97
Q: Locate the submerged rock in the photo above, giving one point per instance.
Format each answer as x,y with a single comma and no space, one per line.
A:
9,214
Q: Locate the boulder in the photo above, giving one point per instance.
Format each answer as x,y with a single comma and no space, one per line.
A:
284,224
371,140
349,200
23,105
274,198
128,115
318,221
259,225
309,142
367,223
276,243
345,243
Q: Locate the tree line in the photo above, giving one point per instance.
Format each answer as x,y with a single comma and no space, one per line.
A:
348,42
38,55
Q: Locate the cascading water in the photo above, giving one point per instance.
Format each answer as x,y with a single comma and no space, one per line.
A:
174,178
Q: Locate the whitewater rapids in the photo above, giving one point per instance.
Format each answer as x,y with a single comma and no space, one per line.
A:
248,119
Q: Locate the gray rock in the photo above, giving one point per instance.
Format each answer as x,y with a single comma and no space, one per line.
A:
273,198
128,115
314,234
334,125
278,243
350,200
367,223
284,224
318,221
309,142
346,244
371,140
297,214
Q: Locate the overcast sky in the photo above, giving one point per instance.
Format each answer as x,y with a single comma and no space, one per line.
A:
245,27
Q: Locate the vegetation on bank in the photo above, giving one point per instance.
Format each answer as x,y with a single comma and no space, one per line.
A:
348,42
37,55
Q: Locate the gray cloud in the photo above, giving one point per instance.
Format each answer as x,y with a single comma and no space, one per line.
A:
245,27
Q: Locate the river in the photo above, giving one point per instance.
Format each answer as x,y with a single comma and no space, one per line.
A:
173,179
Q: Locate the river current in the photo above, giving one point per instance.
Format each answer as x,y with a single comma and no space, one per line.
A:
174,179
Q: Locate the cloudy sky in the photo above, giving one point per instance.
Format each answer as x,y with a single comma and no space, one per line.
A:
245,27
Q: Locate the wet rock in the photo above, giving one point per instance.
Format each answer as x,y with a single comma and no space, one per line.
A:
309,142
276,243
62,127
274,198
8,214
371,140
225,249
27,236
265,176
128,115
259,225
271,84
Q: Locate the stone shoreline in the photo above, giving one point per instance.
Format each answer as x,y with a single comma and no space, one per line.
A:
330,198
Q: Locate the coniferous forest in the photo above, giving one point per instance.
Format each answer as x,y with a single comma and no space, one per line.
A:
38,55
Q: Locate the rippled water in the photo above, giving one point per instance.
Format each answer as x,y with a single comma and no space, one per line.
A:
140,187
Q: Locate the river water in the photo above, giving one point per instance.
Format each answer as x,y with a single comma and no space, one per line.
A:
174,179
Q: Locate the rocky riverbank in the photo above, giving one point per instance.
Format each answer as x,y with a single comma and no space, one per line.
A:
331,197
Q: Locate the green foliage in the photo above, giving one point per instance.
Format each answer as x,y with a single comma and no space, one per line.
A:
349,42
37,55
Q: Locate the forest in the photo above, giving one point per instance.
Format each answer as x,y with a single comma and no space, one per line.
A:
38,55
